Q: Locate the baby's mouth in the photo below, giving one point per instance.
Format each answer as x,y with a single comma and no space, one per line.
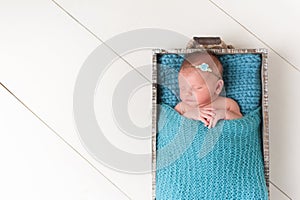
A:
190,101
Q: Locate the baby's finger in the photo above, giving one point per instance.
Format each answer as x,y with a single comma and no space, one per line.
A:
210,122
207,117
209,112
214,122
208,108
204,121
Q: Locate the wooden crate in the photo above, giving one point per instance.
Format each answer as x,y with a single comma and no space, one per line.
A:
217,46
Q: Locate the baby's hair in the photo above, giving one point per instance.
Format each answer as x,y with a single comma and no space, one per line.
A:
199,57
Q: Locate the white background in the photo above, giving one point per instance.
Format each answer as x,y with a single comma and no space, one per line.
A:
43,45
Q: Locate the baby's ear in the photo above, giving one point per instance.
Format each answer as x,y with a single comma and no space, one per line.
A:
219,87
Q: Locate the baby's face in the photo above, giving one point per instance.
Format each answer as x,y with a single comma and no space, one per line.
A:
196,88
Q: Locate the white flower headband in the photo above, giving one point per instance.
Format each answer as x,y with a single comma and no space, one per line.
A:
205,68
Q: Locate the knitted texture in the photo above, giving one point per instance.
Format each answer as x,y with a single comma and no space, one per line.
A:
194,162
168,68
242,79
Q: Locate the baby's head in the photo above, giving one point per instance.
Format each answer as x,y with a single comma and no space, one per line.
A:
200,78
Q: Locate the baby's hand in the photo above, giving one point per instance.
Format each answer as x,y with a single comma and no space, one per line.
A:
204,114
219,114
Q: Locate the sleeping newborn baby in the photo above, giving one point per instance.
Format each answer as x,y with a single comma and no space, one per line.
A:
200,83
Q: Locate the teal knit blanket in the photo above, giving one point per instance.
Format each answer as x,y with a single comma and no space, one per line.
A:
194,162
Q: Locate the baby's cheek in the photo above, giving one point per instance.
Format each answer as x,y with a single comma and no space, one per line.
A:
201,94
